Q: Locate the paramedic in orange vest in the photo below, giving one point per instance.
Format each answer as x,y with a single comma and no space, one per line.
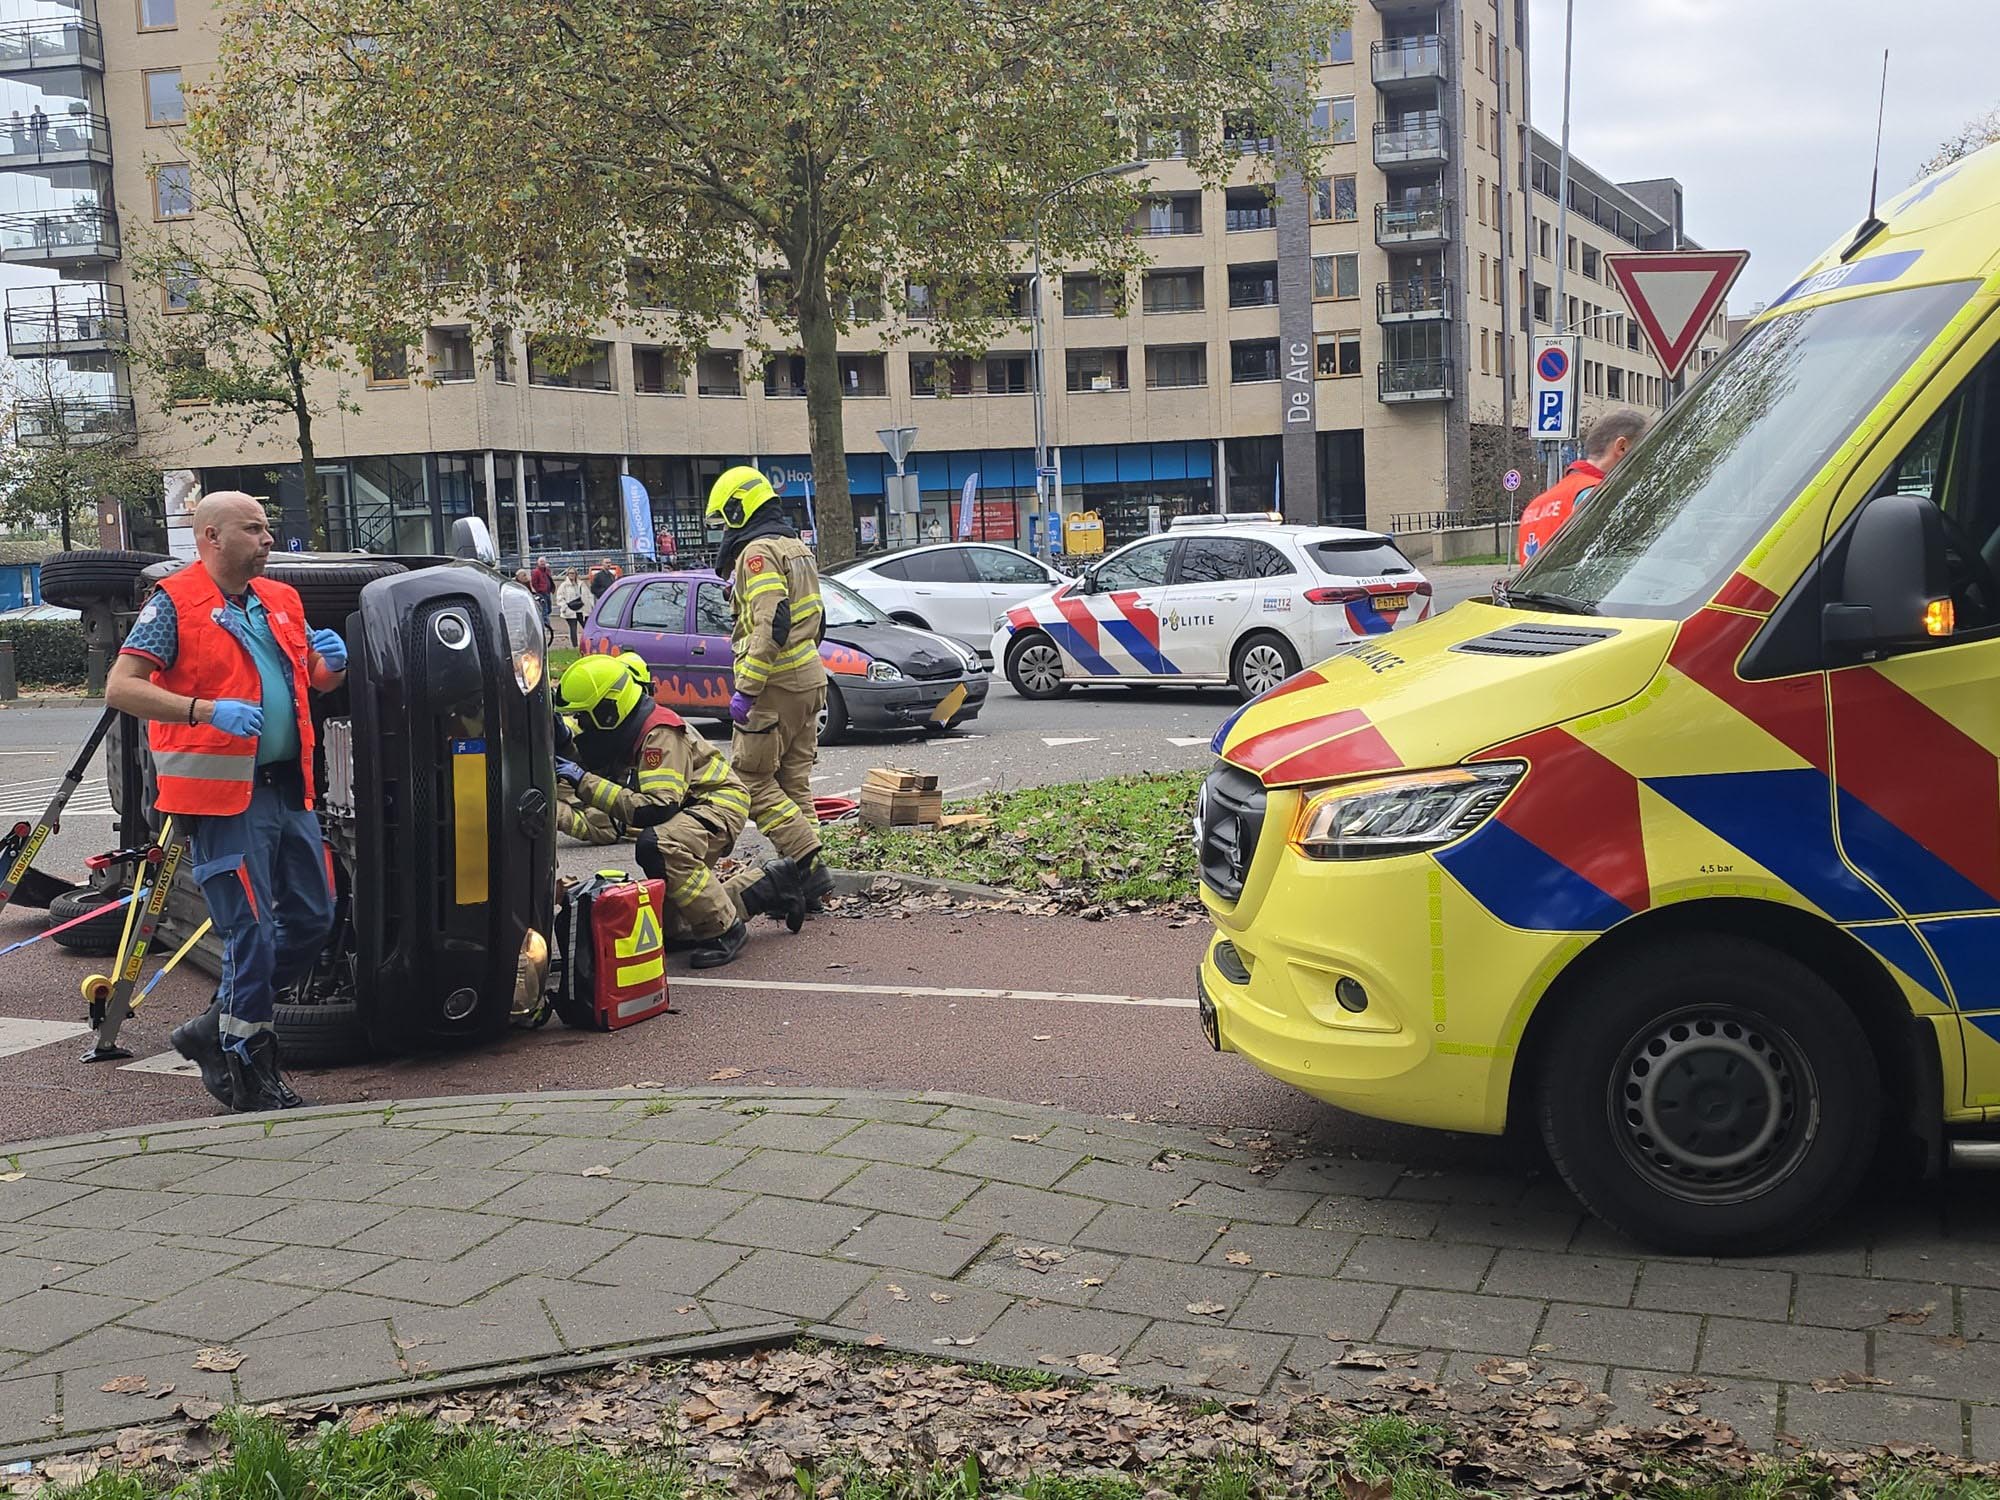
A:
219,661
1611,438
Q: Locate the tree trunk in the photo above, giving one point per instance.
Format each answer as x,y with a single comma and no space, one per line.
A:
315,492
833,511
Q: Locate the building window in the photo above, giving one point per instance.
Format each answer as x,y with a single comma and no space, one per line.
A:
1176,366
592,374
1499,214
1482,200
158,15
1336,278
1173,291
864,375
1334,200
917,304
388,365
1254,285
645,285
503,355
448,352
719,372
1007,374
1541,303
178,292
1479,46
1614,382
934,375
1339,355
164,105
1248,208
785,376
1179,213
173,191
1096,370
1093,296
1590,262
1542,239
1252,361
1569,248
655,371
1480,125
1335,47
1482,278
1341,109
1246,135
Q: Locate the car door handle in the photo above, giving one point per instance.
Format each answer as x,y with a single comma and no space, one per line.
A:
701,648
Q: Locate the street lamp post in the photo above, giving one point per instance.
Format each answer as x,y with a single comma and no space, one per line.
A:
1124,169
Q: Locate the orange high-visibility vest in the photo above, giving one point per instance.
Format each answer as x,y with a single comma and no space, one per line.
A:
202,770
1550,511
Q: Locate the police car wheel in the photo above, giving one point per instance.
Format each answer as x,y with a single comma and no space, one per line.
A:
1035,666
1262,662
1715,1096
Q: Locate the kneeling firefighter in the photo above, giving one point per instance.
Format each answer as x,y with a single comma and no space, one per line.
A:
684,803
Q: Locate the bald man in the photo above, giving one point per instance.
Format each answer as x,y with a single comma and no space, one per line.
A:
218,662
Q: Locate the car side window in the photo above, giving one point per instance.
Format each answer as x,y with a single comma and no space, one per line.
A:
610,610
712,614
897,568
996,566
946,565
1140,567
1214,559
1267,561
661,606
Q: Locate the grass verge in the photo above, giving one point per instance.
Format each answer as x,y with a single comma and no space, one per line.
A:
1124,838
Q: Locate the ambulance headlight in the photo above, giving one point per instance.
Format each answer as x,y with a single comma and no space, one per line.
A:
1402,814
523,620
884,671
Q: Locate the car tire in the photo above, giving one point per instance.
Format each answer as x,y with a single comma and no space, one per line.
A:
1261,662
1034,666
834,726
75,580
326,1035
102,933
331,592
1712,1096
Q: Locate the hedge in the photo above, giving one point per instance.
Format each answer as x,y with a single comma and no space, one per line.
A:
48,653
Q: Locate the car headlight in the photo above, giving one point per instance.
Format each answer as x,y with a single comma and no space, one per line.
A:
884,671
523,620
1402,814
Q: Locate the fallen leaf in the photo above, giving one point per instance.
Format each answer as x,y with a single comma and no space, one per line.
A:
1354,1487
1043,1036
723,1075
1505,1371
1912,1315
12,1176
197,1408
684,1309
1206,1309
1238,1257
898,1293
1093,1281
70,1471
600,1170
125,1385
218,1359
421,1491
1159,1166
940,1296
163,1392
1030,1139
1097,1364
873,1341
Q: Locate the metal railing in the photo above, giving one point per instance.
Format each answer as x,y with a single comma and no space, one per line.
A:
1412,59
1414,378
1425,141
59,234
77,418
1418,219
1234,219
50,44
1426,297
39,137
73,313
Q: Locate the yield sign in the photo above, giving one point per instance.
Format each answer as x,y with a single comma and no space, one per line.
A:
1673,294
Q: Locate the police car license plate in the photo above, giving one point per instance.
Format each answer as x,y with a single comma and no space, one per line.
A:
1392,601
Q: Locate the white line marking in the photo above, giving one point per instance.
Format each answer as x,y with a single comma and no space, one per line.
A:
931,992
170,1063
953,791
18,1035
1088,739
1183,742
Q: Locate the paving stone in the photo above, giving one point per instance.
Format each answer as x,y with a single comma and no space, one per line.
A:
439,1186
1075,1278
428,1233
1609,1335
106,1345
1576,1278
1208,1357
1428,1263
333,1222
106,1208
376,1143
350,1182
88,1408
1176,1235
1985,1429
1314,1307
665,1209
797,1286
1139,1186
331,1359
155,1272
152,1170
1748,1406
906,1244
209,1215
1596,1239
904,1145
1162,1289
1337,1176
1282,1247
655,1263
41,1320
678,1161
1495,1189
244,1179
684,1122
907,1190
1771,1351
894,1111
1375,1216
339,1310
284,1146
538,1249
791,1174
1863,1302
1011,1161
786,1224
1328,1377
1961,1262
450,1149
506,1326
23,1405
1514,1227
563,1200
571,1156
597,1317
1051,1337
73,1249
1728,1291
1462,1321
1092,1143
1261,1206
435,1283
1981,1310
220,1308
1936,1365
1847,1420
20,1201
21,1273
1030,1213
989,1123
790,1132
311,1266
915,1316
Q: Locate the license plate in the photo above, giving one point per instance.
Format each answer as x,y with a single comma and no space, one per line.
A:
1211,1027
1392,601
949,706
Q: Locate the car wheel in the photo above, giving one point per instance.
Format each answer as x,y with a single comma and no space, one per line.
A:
1035,666
1712,1096
833,724
327,1035
73,580
1262,662
331,592
102,933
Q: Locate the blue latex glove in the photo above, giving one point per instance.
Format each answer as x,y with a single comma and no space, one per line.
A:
331,648
235,717
570,771
740,705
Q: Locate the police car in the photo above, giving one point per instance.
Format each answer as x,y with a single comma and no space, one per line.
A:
1242,600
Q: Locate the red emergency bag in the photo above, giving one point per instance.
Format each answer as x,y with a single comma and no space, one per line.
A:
614,970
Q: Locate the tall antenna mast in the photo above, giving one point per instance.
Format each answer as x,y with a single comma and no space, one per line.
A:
1881,100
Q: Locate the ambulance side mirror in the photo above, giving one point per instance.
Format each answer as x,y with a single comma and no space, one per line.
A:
1894,582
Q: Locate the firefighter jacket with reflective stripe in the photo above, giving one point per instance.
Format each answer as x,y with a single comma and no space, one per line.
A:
676,770
1550,511
201,769
779,616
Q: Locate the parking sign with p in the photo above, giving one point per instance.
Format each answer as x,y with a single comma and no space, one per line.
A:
1552,396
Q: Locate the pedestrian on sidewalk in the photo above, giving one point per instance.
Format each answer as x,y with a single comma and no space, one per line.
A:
1611,437
602,577
543,582
219,663
572,603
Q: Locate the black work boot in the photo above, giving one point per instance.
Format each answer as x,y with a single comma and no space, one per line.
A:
818,881
259,1084
778,893
720,949
200,1042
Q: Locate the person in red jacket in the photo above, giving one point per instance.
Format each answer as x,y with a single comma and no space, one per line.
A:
1611,438
219,662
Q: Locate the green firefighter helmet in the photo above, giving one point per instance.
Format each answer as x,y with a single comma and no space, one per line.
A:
600,690
737,496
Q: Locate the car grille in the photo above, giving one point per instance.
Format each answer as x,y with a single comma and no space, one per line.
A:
1227,829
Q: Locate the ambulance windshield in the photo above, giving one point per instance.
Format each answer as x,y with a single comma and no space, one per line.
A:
1680,514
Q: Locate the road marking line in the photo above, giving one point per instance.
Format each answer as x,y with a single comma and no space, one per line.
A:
170,1063
952,791
20,1035
1183,742
1088,739
931,992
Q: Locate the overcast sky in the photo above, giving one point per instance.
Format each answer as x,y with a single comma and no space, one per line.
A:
1764,109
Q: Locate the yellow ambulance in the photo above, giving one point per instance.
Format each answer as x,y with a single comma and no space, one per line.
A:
1685,850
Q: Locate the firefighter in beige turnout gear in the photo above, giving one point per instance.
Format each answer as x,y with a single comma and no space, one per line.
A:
683,803
780,680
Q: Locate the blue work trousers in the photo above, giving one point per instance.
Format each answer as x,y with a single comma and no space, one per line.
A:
265,873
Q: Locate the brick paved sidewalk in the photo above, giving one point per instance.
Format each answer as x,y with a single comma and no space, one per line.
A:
353,1249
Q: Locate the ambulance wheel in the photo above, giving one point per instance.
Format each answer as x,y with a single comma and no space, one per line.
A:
101,933
1035,666
833,723
1712,1096
331,591
72,580
1262,662
326,1035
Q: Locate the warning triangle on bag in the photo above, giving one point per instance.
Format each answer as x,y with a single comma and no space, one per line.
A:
1673,294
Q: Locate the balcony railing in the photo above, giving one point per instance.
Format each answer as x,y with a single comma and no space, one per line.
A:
74,318
59,237
1399,145
1414,380
1154,225
1234,219
1409,301
76,419
1413,222
1414,59
28,46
